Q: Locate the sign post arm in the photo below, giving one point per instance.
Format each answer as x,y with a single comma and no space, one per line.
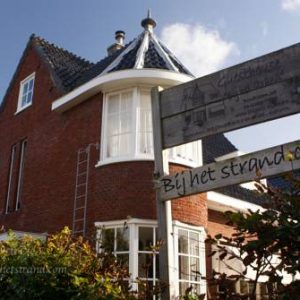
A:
163,208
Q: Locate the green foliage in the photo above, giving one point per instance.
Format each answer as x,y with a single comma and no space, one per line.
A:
262,235
59,268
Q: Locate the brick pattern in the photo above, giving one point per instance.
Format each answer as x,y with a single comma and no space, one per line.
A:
116,191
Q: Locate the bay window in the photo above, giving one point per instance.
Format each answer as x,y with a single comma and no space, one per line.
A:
134,243
127,130
116,241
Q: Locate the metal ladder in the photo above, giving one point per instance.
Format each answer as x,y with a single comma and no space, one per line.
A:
81,190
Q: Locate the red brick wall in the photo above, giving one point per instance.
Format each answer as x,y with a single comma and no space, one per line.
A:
53,141
116,191
216,224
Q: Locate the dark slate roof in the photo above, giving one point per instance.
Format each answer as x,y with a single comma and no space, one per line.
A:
71,70
153,59
128,60
239,192
287,183
67,67
215,146
98,68
155,55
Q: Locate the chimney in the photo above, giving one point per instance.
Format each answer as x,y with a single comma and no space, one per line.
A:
119,44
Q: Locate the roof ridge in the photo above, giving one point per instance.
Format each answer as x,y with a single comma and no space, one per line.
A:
42,39
65,66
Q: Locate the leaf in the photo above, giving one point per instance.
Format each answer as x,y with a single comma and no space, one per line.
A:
218,236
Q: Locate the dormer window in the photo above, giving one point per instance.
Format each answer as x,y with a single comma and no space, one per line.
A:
26,92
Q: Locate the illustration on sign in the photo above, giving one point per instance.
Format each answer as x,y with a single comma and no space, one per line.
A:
258,106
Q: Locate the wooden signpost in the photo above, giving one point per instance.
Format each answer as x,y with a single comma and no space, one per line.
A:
262,89
261,164
256,91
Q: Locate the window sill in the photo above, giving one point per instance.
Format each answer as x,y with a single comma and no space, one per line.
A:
178,161
123,159
22,108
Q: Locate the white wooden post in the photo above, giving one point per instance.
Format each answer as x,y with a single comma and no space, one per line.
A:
164,212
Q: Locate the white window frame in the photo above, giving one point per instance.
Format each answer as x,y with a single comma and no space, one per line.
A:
175,157
136,155
21,107
13,157
202,257
133,225
21,173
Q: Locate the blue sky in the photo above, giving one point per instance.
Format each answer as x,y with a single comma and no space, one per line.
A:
206,35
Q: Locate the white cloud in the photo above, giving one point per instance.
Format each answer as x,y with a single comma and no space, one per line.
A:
201,50
290,5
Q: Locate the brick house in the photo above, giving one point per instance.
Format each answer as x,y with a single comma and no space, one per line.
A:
76,149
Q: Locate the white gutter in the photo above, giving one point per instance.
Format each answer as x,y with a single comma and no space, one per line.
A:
113,80
220,202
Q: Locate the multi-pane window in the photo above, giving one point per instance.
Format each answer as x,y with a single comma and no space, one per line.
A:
189,153
148,257
15,176
136,245
127,130
127,125
21,173
116,240
9,196
119,125
145,139
189,254
26,92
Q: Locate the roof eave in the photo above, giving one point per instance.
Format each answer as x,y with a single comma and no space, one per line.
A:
220,202
114,79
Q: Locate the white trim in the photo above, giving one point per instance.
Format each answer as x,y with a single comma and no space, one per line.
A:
11,167
190,227
21,172
21,89
139,63
134,224
127,221
202,253
229,155
164,54
145,157
116,61
114,80
219,202
122,159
